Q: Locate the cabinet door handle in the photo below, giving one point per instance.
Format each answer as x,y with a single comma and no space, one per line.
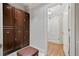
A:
7,32
15,39
24,20
19,31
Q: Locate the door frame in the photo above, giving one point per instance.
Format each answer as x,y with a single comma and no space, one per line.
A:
1,29
71,17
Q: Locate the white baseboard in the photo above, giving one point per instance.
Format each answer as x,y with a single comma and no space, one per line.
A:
55,41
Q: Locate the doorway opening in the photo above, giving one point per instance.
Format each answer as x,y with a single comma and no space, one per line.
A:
58,35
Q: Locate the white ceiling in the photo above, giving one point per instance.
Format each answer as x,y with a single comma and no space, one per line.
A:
29,6
55,7
32,5
36,5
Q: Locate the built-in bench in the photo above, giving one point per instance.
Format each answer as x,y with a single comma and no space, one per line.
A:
28,51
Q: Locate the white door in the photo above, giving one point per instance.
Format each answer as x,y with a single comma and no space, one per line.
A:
65,31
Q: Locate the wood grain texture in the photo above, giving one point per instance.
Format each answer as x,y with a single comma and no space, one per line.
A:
15,29
55,49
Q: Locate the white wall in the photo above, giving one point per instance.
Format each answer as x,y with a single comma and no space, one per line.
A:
38,28
55,29
77,29
61,29
55,23
1,29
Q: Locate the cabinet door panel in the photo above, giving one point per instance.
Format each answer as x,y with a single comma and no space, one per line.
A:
26,38
7,15
8,40
26,22
19,27
26,29
19,38
19,19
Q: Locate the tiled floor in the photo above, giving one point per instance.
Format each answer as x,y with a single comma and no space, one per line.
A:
55,49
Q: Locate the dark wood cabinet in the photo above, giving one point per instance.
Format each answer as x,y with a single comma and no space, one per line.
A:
19,19
8,15
26,29
15,29
8,41
19,28
19,39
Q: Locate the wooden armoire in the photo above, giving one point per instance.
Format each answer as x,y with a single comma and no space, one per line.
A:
15,29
